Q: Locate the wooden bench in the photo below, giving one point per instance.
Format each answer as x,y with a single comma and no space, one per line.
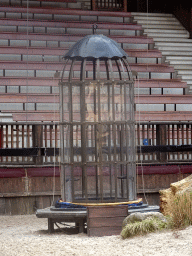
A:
163,116
143,116
58,215
23,65
69,38
160,83
66,24
48,81
60,51
49,53
163,99
64,11
54,98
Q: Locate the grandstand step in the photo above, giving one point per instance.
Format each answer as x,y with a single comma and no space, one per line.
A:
45,81
35,68
171,37
29,81
42,3
143,116
157,19
181,63
54,98
65,14
161,27
179,58
7,38
67,27
162,31
177,53
183,72
171,44
163,116
160,83
172,40
56,54
174,48
155,15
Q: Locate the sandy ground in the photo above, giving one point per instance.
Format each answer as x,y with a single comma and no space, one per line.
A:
27,235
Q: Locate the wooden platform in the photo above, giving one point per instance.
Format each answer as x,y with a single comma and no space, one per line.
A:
58,215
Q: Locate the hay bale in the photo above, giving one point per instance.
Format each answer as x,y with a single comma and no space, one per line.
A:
167,195
182,185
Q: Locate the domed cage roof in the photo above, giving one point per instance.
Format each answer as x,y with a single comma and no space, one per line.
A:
95,57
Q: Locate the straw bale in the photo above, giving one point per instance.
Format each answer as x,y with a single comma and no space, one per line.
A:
167,195
181,185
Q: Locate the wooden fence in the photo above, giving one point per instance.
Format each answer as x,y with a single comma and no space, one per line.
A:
46,135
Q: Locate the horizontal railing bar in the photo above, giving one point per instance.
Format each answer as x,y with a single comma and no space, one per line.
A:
78,123
77,151
19,151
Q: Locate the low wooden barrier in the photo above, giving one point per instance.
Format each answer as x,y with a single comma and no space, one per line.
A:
27,182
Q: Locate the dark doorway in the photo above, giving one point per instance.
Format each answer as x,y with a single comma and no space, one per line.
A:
151,6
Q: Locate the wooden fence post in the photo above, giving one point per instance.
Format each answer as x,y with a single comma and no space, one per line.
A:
161,137
93,5
37,137
125,5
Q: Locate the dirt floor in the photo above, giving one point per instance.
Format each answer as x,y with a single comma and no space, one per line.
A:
27,235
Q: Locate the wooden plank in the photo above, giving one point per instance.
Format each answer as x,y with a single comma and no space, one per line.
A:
28,194
143,116
160,83
143,53
30,81
107,211
106,222
163,116
164,99
69,24
104,231
64,11
54,98
52,66
60,51
71,38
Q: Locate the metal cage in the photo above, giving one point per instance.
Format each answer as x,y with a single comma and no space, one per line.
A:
97,123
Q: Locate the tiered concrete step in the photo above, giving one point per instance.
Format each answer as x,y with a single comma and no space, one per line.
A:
172,40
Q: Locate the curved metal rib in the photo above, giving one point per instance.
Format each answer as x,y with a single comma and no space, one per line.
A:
107,69
117,64
65,64
82,74
128,69
111,69
122,66
71,70
98,69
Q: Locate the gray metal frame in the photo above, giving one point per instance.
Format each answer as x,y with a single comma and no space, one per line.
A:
97,132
